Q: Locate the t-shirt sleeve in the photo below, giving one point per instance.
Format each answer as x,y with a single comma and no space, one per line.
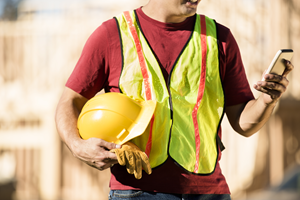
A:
235,83
89,74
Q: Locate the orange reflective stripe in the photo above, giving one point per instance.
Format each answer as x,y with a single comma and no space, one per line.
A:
140,54
200,90
144,70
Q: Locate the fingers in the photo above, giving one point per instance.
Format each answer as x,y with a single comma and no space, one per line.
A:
94,152
101,165
273,94
278,83
130,164
138,167
104,161
134,159
276,79
275,85
145,163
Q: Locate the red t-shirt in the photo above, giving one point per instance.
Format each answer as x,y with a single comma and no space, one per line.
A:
100,67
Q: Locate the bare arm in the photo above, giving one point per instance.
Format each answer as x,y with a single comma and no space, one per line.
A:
248,118
94,151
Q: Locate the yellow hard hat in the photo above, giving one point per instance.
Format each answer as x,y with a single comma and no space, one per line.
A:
114,117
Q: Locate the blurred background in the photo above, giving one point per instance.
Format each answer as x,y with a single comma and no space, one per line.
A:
40,43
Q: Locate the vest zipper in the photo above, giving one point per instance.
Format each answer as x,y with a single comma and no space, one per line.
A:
168,86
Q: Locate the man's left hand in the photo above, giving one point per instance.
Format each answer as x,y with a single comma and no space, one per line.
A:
133,158
274,85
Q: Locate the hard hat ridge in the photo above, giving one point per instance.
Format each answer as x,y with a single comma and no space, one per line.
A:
114,117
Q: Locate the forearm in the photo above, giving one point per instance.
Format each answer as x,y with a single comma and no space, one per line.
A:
66,123
254,115
66,116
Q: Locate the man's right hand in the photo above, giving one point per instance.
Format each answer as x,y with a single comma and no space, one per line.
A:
96,152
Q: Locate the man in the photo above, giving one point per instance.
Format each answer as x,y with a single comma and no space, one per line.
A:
194,77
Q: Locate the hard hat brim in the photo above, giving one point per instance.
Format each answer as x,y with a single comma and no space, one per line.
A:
142,122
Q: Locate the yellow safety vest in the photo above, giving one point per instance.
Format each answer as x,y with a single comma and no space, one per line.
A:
190,106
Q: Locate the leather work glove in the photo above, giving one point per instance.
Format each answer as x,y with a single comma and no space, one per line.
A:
134,159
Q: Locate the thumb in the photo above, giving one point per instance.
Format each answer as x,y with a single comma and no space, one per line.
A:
120,156
109,145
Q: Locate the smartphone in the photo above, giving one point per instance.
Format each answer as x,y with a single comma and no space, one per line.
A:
277,65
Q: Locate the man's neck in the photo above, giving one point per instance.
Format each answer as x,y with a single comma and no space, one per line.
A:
159,14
